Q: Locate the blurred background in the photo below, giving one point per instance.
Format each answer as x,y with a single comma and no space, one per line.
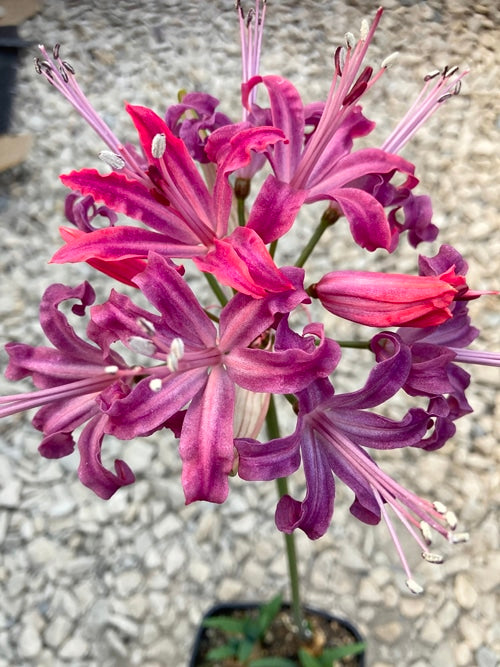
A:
125,582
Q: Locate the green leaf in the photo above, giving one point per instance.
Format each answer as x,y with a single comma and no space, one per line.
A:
329,655
307,660
245,650
273,662
221,652
267,614
232,626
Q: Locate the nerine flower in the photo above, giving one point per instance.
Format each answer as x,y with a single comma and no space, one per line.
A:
330,438
72,377
164,190
323,166
201,366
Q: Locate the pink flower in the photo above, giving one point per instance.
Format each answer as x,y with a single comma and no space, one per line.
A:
389,299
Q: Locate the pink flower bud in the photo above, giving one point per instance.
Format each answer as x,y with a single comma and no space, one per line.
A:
389,299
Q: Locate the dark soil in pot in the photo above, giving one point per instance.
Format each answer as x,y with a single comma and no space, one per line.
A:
280,640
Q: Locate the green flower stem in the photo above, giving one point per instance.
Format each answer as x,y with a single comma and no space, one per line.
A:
358,344
282,486
328,218
241,212
216,289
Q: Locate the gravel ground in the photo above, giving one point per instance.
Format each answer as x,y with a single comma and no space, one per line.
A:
124,582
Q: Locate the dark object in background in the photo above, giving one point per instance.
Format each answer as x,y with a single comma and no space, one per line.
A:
10,47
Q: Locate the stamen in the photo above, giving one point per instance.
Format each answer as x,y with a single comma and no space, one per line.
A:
177,348
432,558
426,531
146,325
364,30
55,51
444,97
64,74
432,75
390,60
451,71
38,68
68,66
155,385
158,146
440,507
338,59
172,363
112,160
458,538
451,519
176,353
350,41
414,587
111,369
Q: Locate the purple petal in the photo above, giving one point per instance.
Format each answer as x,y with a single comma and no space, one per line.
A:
172,297
262,461
384,380
282,372
314,513
144,411
243,319
206,443
91,471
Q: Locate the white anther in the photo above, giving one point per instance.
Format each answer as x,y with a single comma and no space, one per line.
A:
440,507
158,145
451,519
350,41
177,348
148,326
172,363
155,385
364,30
112,159
390,60
457,538
142,346
453,70
432,558
426,531
111,369
414,587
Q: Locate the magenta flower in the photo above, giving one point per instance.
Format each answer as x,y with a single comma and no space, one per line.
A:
331,435
323,166
203,366
164,190
72,377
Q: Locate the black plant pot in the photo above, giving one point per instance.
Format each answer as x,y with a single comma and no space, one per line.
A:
201,642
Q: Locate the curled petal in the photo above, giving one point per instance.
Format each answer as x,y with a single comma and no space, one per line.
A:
314,513
91,471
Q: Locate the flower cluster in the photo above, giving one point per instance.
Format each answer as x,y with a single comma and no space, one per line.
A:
209,374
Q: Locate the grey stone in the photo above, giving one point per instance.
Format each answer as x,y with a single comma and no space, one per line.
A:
29,642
